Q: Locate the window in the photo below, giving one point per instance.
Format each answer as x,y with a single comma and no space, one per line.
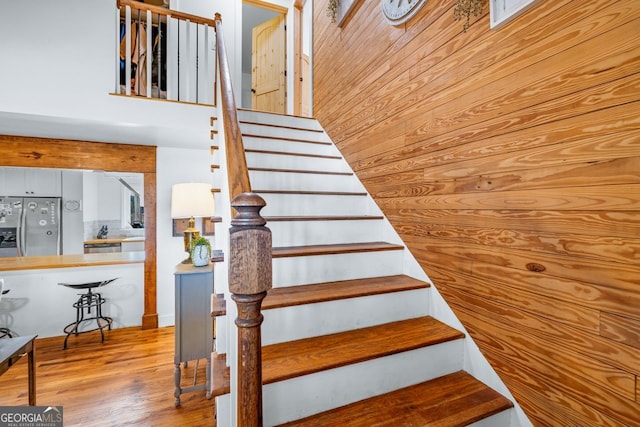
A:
502,11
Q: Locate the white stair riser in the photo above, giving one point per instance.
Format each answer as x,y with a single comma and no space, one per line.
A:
223,410
279,161
293,271
302,182
278,119
256,143
501,419
309,320
315,205
303,396
284,133
301,233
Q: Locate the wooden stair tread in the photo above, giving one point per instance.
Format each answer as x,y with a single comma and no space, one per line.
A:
330,291
218,305
221,376
321,218
288,153
342,248
316,172
306,356
317,193
452,400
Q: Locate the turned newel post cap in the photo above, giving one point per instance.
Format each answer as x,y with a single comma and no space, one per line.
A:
249,247
217,17
248,206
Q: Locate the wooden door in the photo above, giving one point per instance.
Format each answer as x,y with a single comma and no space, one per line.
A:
268,66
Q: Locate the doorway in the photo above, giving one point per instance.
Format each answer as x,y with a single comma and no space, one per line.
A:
302,23
263,57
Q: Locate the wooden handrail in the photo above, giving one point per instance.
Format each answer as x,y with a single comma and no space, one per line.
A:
166,12
236,161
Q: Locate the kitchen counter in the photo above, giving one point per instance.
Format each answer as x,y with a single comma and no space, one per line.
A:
66,261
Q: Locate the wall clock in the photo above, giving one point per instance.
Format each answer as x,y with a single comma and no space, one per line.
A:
398,12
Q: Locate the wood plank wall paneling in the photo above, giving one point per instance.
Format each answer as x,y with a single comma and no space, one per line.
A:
22,151
509,162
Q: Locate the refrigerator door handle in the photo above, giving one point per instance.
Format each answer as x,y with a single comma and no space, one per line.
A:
22,231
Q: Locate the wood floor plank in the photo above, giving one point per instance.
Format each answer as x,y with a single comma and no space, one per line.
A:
320,292
126,381
302,357
457,399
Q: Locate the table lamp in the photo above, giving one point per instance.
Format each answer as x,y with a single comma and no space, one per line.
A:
191,200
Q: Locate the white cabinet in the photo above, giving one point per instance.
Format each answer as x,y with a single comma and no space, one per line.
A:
35,182
12,182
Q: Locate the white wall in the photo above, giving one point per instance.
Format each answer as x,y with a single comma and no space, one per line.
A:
61,72
246,91
174,166
204,8
58,83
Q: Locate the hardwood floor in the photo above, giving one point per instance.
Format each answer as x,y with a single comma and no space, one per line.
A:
127,381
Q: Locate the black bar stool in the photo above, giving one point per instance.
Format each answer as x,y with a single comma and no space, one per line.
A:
85,303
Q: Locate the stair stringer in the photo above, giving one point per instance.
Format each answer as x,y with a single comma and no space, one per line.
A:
225,332
472,360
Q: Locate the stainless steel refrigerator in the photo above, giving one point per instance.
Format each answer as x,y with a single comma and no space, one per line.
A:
29,226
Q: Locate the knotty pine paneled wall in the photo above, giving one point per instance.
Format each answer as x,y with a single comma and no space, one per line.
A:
509,162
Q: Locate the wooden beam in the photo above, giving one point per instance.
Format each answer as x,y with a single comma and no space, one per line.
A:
24,151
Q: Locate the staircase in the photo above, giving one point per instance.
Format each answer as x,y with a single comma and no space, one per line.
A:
348,337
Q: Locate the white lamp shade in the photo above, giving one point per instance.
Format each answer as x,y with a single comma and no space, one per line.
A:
191,199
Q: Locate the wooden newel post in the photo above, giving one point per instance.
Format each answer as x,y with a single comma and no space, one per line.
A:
249,281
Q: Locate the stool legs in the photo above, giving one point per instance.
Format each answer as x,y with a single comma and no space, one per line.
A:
85,302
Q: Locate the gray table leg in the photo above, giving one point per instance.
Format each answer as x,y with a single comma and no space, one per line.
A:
177,391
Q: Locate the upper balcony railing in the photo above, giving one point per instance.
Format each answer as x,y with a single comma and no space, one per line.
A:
164,54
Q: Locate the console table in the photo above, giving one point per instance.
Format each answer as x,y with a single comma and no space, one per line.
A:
193,323
11,350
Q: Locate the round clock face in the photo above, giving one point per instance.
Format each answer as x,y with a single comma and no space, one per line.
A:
400,11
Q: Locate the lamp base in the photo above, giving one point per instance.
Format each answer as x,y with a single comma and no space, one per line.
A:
187,260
